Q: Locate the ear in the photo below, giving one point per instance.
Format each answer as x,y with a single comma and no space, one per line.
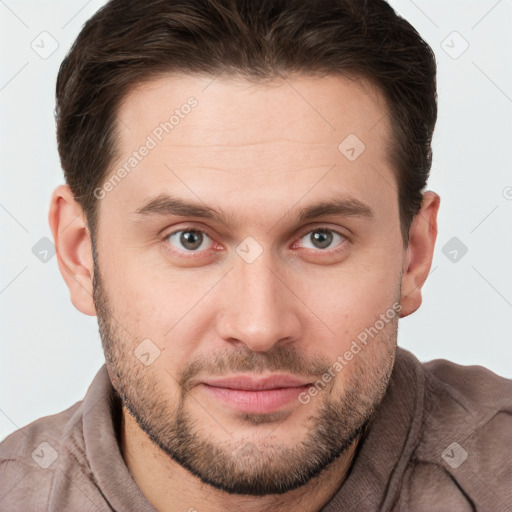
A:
419,253
73,247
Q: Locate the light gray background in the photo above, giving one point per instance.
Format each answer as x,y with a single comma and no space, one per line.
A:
50,352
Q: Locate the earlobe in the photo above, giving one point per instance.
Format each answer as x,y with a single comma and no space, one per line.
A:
418,256
73,247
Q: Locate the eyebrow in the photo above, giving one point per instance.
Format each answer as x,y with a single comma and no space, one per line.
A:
166,205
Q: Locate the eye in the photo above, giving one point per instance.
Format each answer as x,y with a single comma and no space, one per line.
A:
188,240
322,239
193,240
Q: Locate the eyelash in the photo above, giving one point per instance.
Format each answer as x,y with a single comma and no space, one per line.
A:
194,254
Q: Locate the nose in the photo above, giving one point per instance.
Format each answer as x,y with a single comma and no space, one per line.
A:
258,307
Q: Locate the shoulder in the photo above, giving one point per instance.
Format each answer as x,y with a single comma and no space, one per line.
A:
31,456
466,439
477,383
468,402
54,429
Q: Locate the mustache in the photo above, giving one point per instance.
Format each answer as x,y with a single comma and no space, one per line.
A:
240,359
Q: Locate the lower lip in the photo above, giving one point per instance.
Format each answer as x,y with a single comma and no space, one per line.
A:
256,402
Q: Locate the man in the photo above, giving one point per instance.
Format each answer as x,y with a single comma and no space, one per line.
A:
245,212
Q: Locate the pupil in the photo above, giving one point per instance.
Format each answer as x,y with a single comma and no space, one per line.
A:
191,239
322,239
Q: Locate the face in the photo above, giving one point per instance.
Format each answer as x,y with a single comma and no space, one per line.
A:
248,272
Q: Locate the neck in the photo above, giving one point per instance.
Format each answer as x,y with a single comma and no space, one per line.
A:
169,487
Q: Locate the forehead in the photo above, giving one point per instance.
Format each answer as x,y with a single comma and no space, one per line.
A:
299,135
266,110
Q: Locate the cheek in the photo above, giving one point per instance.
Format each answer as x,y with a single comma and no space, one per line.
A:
163,316
147,295
350,301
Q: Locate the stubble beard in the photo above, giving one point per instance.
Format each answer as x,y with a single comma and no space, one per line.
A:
244,466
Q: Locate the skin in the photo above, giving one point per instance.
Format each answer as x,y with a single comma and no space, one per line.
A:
258,153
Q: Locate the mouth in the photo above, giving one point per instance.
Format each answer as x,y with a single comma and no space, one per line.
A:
256,395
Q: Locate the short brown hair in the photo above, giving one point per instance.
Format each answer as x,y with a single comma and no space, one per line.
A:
128,42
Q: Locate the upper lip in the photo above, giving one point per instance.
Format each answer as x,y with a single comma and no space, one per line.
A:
252,383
